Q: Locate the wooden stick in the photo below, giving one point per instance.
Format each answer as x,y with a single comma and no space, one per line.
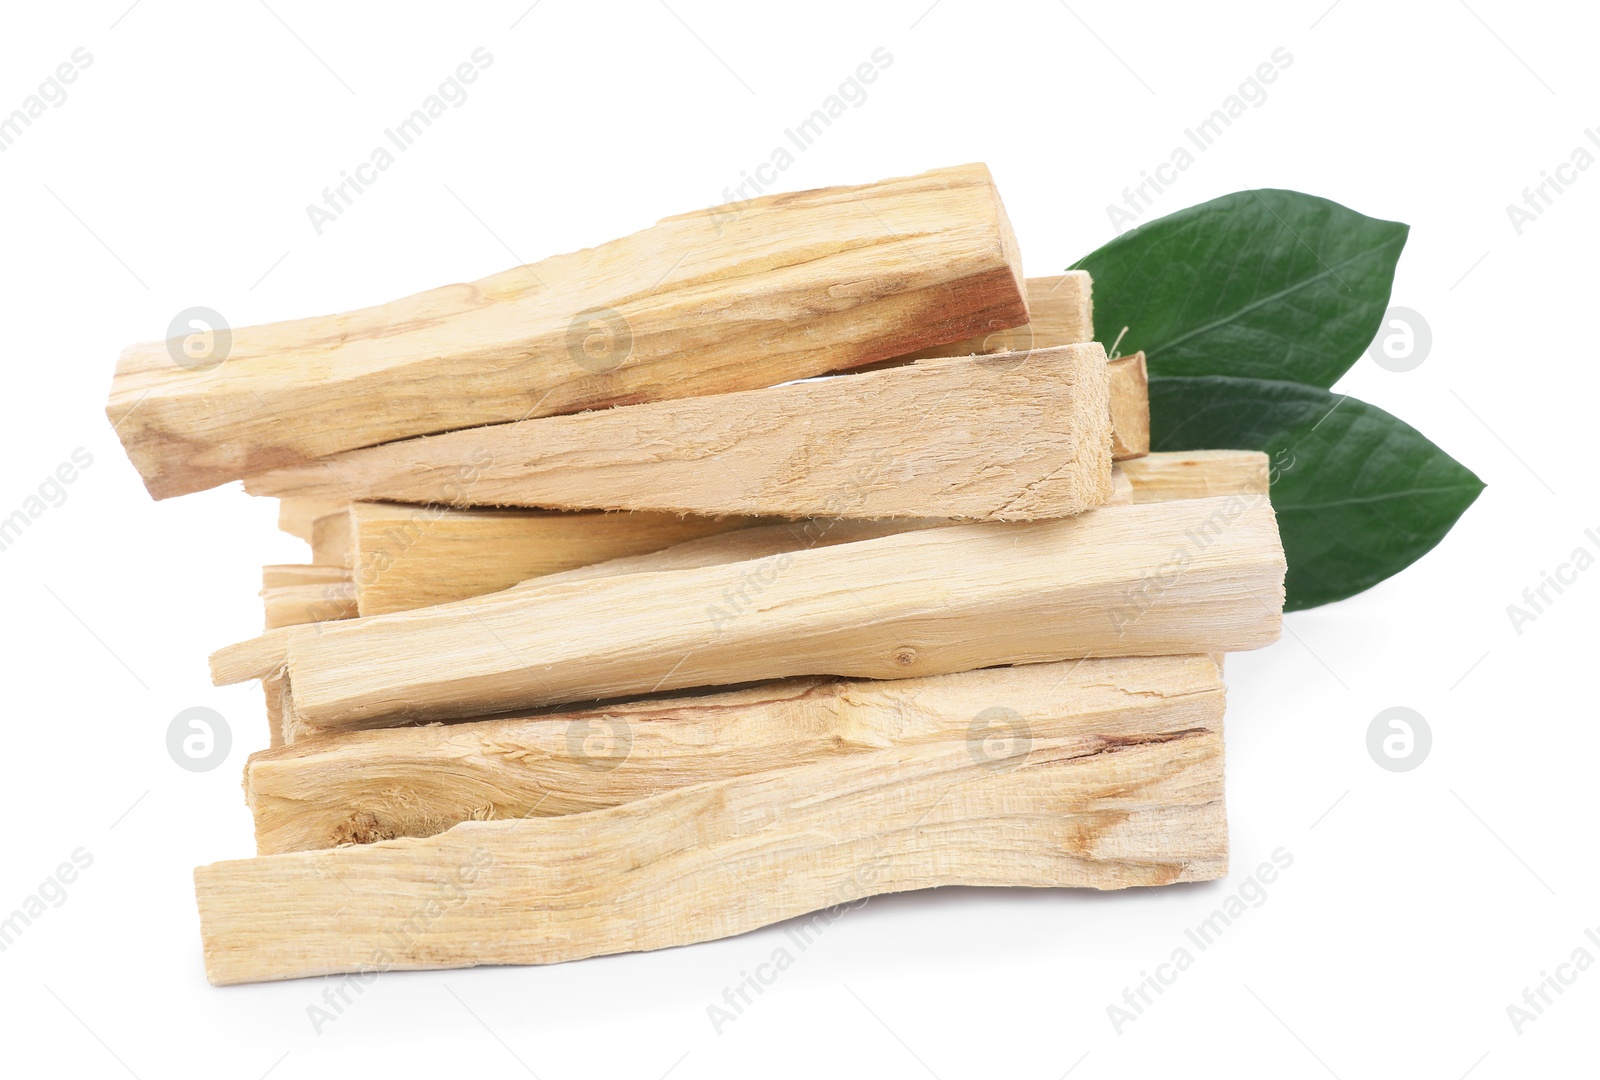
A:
1025,795
1060,312
279,575
1197,474
367,786
1201,575
260,657
1008,437
413,556
296,515
295,605
331,541
1130,407
794,285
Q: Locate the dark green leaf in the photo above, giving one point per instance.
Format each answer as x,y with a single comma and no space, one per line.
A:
1261,284
1360,495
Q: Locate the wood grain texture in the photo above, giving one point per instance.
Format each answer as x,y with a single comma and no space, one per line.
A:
1060,312
1014,436
791,286
1012,801
1130,407
413,556
1200,575
367,786
296,605
1198,474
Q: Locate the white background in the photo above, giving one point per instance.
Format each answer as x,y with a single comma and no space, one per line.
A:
1419,904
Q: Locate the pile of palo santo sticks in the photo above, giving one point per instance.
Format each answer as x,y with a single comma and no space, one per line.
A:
625,627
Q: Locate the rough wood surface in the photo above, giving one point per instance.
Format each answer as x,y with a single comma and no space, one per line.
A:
1013,436
1130,407
413,556
1198,474
1202,575
792,285
368,786
1023,797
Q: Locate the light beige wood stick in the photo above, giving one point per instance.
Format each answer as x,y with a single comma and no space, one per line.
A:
1022,797
794,285
1060,312
331,541
1201,575
1197,474
278,575
1130,407
367,786
296,515
295,605
1013,436
260,657
413,556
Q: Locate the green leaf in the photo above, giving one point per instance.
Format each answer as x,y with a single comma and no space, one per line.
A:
1360,495
1261,284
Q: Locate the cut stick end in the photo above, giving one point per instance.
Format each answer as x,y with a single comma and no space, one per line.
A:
1130,407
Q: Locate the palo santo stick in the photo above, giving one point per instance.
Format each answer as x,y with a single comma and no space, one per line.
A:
1008,437
413,556
368,786
296,515
295,605
1060,312
1197,474
260,657
791,286
331,540
1202,575
1024,796
257,658
278,575
1130,407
